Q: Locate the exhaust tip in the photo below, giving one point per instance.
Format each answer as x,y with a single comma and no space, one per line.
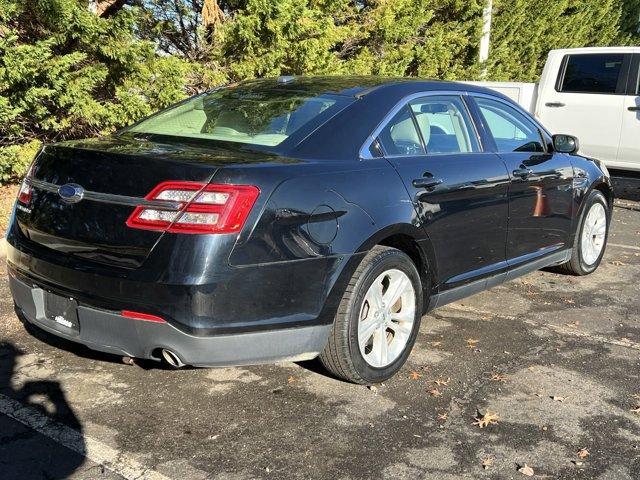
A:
171,358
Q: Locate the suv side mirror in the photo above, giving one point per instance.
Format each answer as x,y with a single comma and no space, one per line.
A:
565,144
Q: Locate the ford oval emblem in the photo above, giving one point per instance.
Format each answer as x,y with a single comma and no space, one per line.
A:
71,193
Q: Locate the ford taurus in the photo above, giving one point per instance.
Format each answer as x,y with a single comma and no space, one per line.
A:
294,218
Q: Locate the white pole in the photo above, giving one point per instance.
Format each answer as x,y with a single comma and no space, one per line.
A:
486,34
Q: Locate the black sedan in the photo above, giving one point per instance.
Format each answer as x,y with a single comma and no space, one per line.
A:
300,217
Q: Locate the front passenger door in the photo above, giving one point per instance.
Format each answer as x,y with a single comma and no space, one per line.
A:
541,187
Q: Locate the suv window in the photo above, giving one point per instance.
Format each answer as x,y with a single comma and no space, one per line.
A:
400,136
511,130
592,73
445,124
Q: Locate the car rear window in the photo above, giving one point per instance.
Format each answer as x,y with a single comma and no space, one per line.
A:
592,73
249,115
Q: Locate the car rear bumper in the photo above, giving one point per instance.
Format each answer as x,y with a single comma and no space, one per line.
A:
111,332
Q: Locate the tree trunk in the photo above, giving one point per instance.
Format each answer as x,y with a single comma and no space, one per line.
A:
106,8
212,14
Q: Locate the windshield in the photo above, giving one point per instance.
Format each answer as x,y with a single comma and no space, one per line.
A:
243,114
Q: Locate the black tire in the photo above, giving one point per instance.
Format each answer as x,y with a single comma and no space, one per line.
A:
341,356
577,265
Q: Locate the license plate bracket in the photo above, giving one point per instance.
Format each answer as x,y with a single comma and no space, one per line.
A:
63,311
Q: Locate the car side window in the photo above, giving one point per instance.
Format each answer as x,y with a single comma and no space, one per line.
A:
592,73
511,130
445,124
400,136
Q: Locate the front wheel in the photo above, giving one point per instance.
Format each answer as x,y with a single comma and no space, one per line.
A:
378,319
591,237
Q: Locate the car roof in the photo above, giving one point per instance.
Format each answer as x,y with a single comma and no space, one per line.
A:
361,86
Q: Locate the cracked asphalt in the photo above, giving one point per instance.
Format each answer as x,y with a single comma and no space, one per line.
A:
556,358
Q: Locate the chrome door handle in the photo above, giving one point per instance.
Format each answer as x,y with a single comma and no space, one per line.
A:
554,104
427,183
522,172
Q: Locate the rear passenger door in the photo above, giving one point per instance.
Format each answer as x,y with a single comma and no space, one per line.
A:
541,189
587,102
459,191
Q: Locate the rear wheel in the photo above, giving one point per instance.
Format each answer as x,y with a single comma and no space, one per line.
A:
591,237
378,319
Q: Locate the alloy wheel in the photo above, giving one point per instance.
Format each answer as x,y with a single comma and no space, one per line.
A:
386,318
594,232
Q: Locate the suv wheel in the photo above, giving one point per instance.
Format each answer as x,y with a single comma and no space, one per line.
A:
378,319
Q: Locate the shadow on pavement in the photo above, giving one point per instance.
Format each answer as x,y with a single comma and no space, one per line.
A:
24,452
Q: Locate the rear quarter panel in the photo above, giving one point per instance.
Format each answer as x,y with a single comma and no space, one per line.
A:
316,227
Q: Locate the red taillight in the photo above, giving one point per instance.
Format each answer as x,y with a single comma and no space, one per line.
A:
142,316
196,208
24,194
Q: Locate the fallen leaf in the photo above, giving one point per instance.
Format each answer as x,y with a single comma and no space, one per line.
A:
526,470
440,381
556,398
618,263
636,409
485,317
414,375
498,377
443,416
531,368
583,453
569,301
471,343
486,419
575,324
436,344
291,379
434,392
487,462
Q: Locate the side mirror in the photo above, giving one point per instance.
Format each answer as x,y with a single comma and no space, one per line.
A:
565,144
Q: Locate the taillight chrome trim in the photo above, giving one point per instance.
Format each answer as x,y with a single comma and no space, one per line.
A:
110,197
230,216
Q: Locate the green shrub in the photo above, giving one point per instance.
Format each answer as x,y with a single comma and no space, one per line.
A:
15,160
66,73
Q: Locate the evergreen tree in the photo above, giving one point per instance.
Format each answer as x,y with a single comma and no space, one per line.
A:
525,30
74,68
67,73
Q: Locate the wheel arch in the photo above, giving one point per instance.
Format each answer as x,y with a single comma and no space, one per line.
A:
414,242
409,239
606,189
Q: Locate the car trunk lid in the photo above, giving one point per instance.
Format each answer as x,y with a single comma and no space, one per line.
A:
115,173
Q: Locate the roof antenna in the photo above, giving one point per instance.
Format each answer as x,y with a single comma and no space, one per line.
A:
283,79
